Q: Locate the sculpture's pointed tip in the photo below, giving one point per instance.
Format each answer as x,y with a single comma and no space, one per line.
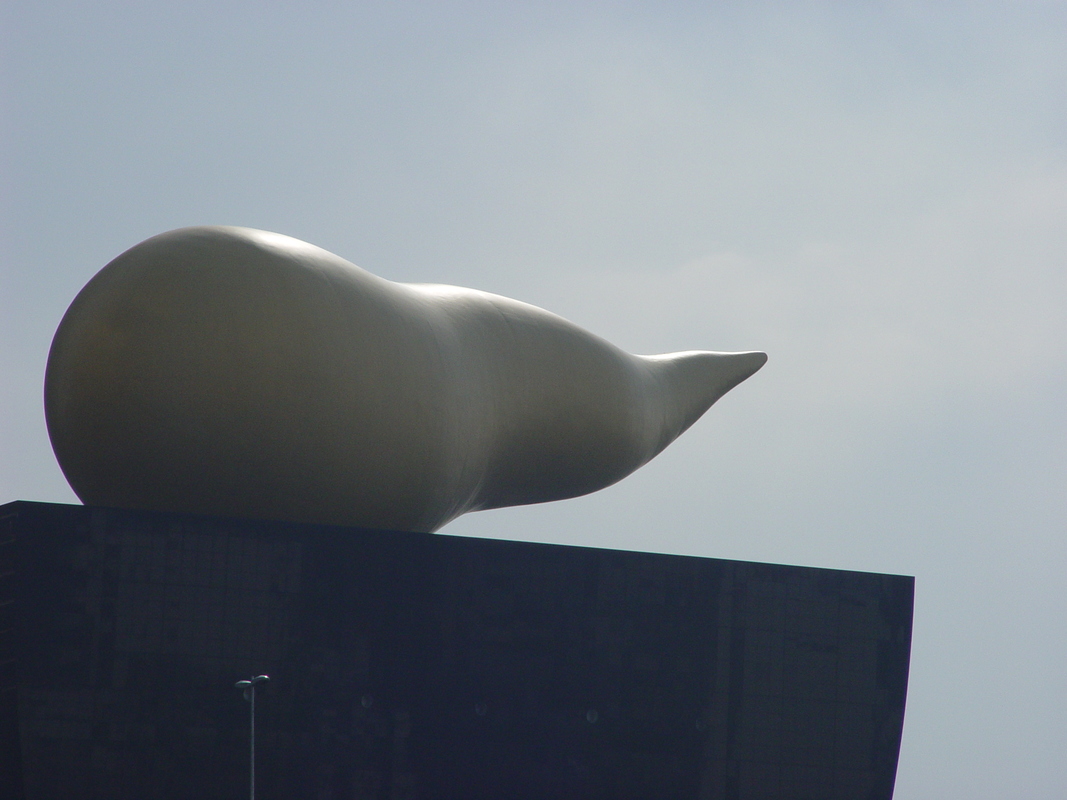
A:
708,373
748,364
711,375
690,383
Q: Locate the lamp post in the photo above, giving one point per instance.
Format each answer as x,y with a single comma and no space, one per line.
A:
250,695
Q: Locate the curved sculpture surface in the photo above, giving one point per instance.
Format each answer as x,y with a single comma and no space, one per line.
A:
235,372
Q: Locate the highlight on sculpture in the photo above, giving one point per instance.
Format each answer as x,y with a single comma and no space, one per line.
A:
235,372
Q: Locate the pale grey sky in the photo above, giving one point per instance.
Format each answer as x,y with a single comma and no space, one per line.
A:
873,193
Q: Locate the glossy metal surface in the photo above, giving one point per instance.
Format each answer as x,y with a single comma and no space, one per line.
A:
236,372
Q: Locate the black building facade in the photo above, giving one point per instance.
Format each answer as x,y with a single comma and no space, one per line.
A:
429,666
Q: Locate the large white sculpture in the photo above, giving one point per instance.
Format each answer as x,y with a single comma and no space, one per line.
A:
235,372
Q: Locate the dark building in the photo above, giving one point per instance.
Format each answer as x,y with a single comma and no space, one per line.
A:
429,666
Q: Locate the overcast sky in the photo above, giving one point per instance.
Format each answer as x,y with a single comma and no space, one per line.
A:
873,193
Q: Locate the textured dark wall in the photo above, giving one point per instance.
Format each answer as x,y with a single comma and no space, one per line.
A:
428,666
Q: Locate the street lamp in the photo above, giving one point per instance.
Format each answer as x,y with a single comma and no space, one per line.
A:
250,695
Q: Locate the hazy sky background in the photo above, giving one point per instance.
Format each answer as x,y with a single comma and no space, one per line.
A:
873,193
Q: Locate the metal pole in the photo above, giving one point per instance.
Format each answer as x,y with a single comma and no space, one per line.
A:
252,740
250,695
